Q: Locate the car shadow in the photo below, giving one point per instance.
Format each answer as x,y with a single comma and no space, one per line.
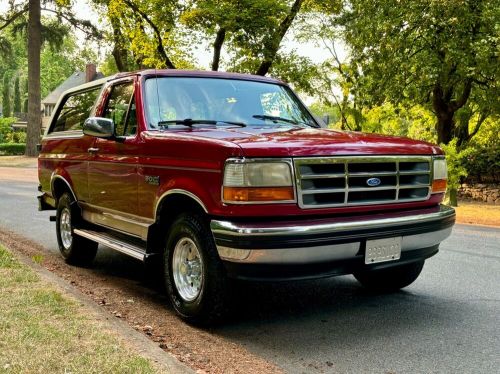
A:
310,320
323,300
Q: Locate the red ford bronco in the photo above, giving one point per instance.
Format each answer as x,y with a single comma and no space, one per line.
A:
217,176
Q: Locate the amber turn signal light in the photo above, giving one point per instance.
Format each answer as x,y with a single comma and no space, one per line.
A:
439,185
252,194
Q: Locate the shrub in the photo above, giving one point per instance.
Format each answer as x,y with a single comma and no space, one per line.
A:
6,129
456,169
11,149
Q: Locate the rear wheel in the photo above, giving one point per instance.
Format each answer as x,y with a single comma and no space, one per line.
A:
195,277
75,249
390,279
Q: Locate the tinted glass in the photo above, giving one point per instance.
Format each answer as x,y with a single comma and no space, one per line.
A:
121,109
75,110
248,102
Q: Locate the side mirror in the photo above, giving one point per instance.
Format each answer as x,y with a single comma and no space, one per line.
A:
99,127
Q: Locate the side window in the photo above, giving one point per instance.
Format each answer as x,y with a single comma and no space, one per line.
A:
75,110
121,109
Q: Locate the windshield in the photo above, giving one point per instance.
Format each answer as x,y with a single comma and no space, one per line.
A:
189,101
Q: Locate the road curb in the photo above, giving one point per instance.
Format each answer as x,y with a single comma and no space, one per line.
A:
142,344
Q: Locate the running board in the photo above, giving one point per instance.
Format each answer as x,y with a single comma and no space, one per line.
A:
112,242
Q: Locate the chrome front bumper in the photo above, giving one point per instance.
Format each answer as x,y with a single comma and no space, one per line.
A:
328,240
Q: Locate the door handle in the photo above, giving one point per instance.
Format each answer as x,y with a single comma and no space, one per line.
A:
92,150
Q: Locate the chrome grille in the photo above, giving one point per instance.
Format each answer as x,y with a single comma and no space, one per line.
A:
343,181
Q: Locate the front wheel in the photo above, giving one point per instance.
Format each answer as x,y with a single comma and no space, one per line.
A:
390,279
75,249
195,277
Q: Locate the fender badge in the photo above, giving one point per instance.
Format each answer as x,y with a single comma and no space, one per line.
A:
152,179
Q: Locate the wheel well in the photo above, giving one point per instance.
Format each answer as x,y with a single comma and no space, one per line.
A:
168,210
173,205
59,186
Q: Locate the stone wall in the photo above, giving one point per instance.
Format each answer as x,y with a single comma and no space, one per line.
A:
488,193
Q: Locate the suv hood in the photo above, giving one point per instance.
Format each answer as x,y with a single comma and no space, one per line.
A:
289,141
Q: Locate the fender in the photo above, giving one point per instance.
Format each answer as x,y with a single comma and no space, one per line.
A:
58,176
178,191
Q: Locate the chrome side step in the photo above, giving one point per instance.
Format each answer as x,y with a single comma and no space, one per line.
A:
112,242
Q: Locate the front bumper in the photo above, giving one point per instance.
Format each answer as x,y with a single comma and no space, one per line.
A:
322,247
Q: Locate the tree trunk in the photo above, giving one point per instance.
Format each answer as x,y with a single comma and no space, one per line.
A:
119,53
445,108
219,40
444,113
273,44
445,125
34,100
453,197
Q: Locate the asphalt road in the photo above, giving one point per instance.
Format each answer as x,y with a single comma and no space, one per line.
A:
448,321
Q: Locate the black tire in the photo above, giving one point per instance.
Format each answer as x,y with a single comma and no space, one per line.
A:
208,304
390,279
75,249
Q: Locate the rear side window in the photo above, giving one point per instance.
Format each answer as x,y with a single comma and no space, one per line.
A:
75,110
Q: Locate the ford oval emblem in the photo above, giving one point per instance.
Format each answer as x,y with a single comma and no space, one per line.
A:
373,182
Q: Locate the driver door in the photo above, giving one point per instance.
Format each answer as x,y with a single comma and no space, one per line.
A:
113,178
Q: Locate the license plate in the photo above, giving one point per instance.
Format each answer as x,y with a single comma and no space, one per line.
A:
382,250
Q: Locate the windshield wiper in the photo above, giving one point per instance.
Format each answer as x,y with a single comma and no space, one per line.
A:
277,118
190,122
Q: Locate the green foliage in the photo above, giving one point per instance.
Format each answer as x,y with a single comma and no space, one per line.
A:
416,122
320,109
6,102
17,96
456,170
11,149
5,128
108,67
242,36
7,135
441,54
483,160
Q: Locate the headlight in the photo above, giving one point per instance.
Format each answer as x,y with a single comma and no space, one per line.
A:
440,175
248,181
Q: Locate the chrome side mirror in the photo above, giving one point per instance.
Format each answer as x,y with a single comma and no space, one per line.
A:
99,127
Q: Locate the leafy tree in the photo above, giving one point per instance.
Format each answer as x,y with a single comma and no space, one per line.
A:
244,35
6,102
38,32
443,54
17,96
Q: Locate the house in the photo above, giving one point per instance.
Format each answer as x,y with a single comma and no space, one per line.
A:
76,79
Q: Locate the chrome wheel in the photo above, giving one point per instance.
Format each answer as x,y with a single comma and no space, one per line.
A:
187,269
65,228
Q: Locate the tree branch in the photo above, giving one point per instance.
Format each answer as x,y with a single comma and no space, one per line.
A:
160,48
480,121
82,25
457,104
275,40
8,20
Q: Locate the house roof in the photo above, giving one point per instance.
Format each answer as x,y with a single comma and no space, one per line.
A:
76,79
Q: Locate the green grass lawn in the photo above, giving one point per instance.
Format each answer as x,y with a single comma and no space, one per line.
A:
45,331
